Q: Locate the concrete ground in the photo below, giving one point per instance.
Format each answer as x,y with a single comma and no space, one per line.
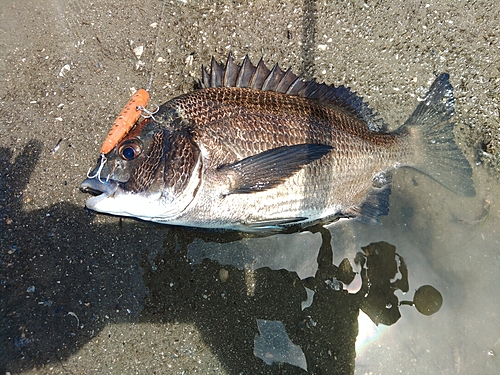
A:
93,294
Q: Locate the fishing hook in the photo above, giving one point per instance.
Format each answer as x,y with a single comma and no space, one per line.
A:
103,161
147,113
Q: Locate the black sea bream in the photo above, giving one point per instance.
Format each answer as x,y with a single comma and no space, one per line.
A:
257,149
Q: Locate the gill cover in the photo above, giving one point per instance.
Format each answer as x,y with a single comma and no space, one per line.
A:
153,174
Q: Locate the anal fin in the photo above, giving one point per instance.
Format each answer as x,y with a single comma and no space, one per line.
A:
376,204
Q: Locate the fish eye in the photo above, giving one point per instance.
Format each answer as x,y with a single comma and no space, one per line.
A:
130,149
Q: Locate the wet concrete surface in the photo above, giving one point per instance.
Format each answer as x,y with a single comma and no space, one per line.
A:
87,293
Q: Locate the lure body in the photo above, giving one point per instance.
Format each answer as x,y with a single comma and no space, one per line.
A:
125,120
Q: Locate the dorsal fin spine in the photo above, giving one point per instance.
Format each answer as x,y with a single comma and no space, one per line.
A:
296,86
259,77
230,73
286,81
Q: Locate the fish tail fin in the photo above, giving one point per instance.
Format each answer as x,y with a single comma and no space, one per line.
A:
441,159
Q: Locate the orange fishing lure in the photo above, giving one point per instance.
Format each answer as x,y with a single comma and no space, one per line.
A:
126,120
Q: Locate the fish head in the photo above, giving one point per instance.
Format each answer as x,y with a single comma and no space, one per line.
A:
151,174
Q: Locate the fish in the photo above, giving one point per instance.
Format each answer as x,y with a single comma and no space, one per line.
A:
254,149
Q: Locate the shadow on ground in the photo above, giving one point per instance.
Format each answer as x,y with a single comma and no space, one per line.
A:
63,279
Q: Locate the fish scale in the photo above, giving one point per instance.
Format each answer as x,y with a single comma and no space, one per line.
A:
258,149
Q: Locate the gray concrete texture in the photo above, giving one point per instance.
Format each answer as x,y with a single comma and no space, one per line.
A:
74,285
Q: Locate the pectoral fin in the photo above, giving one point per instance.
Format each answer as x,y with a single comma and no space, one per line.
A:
270,168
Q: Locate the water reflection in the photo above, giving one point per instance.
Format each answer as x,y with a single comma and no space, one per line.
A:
273,345
255,309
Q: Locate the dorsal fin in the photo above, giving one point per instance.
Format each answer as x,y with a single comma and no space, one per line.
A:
260,77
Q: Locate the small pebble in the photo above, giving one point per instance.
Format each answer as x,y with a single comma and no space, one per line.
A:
138,51
223,275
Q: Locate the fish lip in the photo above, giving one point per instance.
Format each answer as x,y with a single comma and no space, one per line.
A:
100,189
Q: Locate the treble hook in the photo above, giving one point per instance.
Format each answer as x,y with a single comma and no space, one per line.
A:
148,113
103,161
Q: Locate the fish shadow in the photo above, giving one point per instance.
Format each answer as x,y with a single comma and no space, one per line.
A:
64,278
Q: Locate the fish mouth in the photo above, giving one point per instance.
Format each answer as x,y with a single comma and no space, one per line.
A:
99,189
